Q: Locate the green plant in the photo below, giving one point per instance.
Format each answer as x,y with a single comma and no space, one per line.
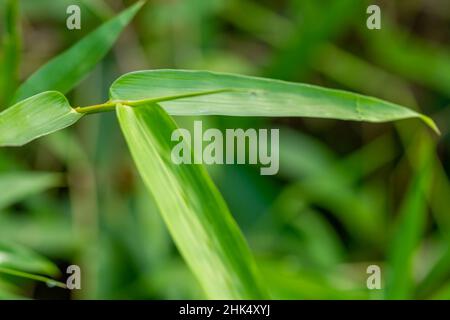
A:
194,211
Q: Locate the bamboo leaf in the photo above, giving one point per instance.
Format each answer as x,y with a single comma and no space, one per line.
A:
35,117
68,69
194,211
251,96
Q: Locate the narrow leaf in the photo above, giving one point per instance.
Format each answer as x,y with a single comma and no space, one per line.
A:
251,96
9,63
35,117
425,63
412,222
68,69
193,209
36,277
16,257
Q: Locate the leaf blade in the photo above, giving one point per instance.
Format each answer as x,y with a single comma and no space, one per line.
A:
411,226
251,96
34,117
194,211
16,257
69,68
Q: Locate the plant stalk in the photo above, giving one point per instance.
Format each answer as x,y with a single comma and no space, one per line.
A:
111,104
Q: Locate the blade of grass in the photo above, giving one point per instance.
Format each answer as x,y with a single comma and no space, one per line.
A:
35,117
21,262
438,273
251,96
9,63
352,71
16,257
69,68
194,211
411,226
50,282
424,63
303,230
294,57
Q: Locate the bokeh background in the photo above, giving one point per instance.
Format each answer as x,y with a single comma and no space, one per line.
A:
348,195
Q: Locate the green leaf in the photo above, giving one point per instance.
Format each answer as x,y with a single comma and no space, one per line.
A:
410,229
22,184
182,92
193,209
18,261
68,69
437,275
36,277
35,117
251,96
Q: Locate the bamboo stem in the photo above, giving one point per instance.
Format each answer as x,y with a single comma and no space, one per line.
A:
111,104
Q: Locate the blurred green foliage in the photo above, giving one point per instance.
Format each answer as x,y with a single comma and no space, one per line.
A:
348,194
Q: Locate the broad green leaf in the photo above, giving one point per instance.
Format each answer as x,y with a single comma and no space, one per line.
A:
251,96
68,69
35,117
18,185
193,209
